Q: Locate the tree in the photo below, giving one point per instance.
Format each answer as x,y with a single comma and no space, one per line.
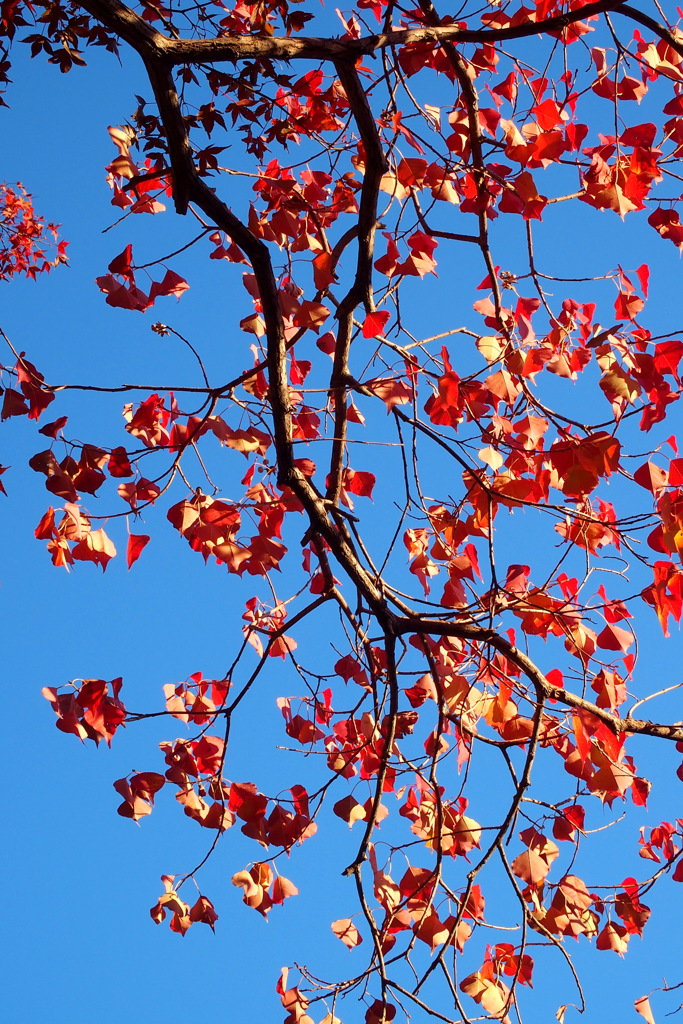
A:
469,716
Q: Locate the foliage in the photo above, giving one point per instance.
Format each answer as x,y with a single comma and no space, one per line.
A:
26,241
410,471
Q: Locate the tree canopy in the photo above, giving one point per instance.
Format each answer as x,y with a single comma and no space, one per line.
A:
435,446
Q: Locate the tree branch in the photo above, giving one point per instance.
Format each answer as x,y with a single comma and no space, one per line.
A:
136,32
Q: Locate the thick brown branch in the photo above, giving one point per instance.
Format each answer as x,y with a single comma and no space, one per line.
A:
188,187
234,48
361,289
138,34
125,23
375,166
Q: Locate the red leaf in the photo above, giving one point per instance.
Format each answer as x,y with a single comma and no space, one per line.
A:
283,889
203,911
380,1013
52,429
668,224
374,323
121,264
652,477
172,284
614,638
359,482
678,872
323,274
119,463
13,404
136,545
349,810
613,936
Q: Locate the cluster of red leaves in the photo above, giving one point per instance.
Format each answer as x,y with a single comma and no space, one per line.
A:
478,693
195,767
156,423
414,905
486,986
33,397
68,478
61,31
357,746
189,762
121,288
211,527
182,915
442,824
570,910
267,622
138,794
588,747
72,477
197,700
294,1001
300,727
28,245
145,191
72,538
92,711
281,827
420,260
665,841
262,888
296,213
298,315
665,594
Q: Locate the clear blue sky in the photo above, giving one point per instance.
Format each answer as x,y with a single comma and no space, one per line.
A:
79,879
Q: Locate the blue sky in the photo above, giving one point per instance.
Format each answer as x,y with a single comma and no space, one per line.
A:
80,878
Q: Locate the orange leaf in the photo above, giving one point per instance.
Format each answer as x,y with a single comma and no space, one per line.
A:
492,995
345,930
95,547
642,1006
283,889
349,810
